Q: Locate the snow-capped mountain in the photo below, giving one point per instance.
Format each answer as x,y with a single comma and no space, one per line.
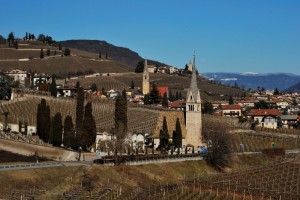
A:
253,80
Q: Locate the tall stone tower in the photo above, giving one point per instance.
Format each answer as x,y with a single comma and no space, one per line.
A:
146,83
193,112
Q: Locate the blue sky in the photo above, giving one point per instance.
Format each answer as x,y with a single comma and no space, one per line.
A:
228,36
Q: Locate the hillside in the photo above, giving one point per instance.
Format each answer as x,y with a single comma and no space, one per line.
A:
27,57
122,54
281,81
294,88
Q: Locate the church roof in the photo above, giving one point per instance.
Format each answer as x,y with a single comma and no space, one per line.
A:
194,86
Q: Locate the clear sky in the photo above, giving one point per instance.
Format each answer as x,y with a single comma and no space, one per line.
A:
227,35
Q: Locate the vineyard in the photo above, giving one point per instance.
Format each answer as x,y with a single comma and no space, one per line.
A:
140,120
65,64
106,82
277,180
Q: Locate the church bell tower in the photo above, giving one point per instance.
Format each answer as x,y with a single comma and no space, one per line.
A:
146,83
193,112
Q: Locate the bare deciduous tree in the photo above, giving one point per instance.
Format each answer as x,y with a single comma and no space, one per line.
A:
216,133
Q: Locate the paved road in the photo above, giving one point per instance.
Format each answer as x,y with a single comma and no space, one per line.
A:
40,165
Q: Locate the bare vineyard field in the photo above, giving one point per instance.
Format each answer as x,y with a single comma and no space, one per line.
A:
142,120
256,143
277,180
65,65
106,82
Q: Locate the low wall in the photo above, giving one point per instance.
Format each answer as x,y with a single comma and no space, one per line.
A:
28,149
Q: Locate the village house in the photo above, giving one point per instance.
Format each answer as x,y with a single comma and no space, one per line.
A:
289,121
66,91
18,75
265,117
37,78
231,110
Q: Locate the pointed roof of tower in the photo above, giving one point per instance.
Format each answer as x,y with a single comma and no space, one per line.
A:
145,66
194,85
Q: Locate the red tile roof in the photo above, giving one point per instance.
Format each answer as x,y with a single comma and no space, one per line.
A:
162,90
231,107
177,104
265,112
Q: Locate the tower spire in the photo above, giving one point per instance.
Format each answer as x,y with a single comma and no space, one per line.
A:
194,85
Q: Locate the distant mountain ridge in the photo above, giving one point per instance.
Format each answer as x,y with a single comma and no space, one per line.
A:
122,54
294,88
252,80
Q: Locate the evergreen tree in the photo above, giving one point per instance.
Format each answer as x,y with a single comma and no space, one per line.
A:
164,135
100,56
177,96
16,44
207,108
276,92
105,55
154,95
165,103
69,132
42,53
48,52
77,85
10,38
52,88
89,127
67,52
5,86
132,85
230,101
147,99
57,129
121,116
79,108
94,87
177,136
43,121
180,96
171,97
59,46
139,67
103,91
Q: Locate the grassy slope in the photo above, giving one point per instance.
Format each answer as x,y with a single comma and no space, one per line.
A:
58,180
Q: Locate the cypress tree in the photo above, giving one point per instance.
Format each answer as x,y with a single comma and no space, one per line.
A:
132,84
154,95
57,129
48,52
43,119
42,53
59,46
89,127
94,87
177,136
53,89
165,103
164,135
121,116
79,108
69,132
147,99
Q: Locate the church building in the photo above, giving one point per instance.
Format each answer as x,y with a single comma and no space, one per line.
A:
193,112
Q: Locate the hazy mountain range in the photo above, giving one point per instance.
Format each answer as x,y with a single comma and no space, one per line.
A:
247,80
